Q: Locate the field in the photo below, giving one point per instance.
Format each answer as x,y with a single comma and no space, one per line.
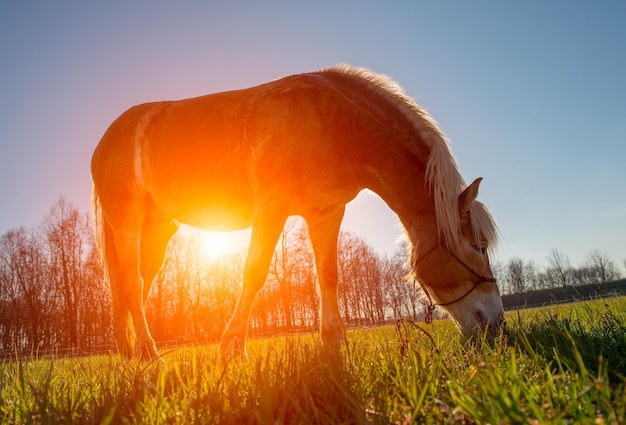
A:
563,364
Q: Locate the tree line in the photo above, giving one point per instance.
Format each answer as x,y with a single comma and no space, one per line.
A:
518,276
52,289
53,293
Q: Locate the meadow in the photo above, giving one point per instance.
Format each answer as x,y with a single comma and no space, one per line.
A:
564,364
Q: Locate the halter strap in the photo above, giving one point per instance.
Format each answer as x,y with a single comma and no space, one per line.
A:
432,306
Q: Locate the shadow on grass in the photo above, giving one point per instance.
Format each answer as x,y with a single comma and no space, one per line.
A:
594,341
290,382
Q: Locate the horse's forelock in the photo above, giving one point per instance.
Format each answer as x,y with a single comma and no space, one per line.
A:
483,225
446,183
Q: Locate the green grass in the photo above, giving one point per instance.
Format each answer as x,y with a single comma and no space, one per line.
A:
558,365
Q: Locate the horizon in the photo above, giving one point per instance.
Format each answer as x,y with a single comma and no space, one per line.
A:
217,245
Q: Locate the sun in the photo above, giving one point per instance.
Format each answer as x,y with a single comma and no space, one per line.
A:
214,245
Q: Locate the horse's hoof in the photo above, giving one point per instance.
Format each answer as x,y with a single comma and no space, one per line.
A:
333,338
154,358
233,348
148,353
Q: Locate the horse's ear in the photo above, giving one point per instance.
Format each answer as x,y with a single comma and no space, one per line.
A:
469,195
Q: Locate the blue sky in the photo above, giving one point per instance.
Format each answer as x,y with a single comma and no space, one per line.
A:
532,95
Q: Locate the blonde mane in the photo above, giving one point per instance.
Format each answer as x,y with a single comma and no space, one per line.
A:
443,178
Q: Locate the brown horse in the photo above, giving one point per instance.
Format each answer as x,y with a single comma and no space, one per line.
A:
303,145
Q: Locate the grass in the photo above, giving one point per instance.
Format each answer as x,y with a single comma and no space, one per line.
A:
558,365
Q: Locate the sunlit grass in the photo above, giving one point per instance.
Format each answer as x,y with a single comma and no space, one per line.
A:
559,365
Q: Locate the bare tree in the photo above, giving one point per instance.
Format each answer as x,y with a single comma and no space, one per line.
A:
394,285
303,281
360,288
499,272
521,276
96,326
66,231
223,288
284,265
28,299
602,268
178,287
560,269
404,297
514,275
531,275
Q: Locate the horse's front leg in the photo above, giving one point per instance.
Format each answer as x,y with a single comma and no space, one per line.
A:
324,231
266,230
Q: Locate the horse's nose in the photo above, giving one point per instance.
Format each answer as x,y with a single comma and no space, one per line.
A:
483,321
501,325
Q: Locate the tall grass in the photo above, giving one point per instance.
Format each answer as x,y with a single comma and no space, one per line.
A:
558,365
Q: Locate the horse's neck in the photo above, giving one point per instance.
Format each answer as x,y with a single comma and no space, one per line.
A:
401,182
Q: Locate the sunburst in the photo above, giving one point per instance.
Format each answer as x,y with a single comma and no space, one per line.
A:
214,245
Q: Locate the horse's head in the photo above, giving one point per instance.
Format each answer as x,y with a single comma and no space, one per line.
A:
459,278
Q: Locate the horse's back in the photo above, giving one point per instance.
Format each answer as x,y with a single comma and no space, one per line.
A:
290,138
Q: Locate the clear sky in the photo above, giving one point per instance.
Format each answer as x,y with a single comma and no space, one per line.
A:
532,95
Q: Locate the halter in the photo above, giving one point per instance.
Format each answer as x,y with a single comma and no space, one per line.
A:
432,306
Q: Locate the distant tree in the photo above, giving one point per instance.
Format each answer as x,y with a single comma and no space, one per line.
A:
178,287
96,326
67,234
602,268
360,290
27,296
402,296
514,275
284,267
305,300
584,275
345,285
531,274
371,267
223,286
544,280
559,272
499,272
521,276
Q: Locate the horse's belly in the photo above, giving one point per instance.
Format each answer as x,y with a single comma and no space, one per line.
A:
220,205
225,216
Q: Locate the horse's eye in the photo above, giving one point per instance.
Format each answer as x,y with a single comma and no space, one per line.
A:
481,248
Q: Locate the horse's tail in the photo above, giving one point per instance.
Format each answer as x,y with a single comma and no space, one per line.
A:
99,230
122,324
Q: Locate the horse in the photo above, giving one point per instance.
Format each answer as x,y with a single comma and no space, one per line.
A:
304,145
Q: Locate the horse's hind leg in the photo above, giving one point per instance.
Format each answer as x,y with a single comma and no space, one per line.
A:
129,284
267,226
324,231
155,235
123,331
